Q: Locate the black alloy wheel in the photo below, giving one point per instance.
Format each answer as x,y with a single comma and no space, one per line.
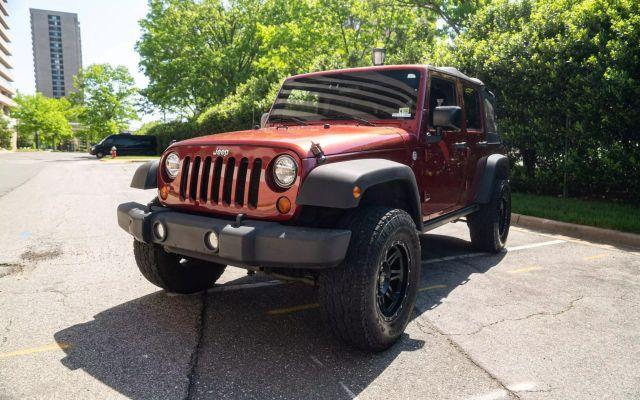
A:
392,280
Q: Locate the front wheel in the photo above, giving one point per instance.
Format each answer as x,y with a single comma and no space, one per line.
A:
489,226
367,301
175,273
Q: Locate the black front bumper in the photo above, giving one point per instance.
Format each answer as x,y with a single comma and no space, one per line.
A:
252,244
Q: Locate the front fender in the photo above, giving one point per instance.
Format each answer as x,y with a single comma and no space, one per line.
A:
331,185
146,176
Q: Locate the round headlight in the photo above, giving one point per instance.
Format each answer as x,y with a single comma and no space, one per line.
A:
285,171
172,165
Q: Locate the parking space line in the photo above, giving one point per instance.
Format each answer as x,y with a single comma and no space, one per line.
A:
521,270
349,392
289,310
33,350
432,288
509,250
596,257
534,245
495,395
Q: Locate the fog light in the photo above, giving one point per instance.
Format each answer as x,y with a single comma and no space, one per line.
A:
160,230
284,205
211,241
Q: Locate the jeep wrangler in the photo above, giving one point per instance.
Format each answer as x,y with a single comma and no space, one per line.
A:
337,184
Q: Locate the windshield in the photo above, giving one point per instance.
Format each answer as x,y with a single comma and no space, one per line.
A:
374,95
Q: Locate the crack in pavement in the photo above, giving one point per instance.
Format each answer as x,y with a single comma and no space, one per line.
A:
538,314
460,350
193,361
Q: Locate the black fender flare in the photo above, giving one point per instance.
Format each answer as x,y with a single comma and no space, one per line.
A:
488,170
146,176
331,185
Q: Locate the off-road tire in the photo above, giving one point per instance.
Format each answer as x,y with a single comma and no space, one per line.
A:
348,294
174,273
489,226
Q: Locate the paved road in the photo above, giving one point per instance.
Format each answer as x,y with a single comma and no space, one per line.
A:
549,319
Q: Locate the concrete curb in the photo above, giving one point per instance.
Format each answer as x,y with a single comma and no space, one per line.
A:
590,233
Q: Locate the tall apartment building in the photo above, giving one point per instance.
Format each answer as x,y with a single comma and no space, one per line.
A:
6,88
57,53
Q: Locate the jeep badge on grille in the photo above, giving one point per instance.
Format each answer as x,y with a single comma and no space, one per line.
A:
221,152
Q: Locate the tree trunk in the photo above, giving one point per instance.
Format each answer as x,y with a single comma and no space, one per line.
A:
529,161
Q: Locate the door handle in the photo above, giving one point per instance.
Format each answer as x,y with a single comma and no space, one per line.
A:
460,146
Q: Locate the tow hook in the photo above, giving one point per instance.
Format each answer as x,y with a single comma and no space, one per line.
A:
239,219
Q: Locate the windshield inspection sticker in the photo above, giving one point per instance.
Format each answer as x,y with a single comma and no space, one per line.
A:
403,112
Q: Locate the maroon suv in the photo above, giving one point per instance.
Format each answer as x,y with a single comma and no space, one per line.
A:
348,169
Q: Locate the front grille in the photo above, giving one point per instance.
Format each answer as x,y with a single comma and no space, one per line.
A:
221,181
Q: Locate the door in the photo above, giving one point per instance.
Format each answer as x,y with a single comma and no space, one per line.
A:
474,135
443,168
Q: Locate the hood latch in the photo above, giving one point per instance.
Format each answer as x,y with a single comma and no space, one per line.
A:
317,152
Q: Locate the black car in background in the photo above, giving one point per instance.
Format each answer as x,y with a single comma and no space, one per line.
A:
126,145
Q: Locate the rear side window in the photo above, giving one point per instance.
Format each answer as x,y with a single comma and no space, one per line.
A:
490,126
472,108
442,92
489,113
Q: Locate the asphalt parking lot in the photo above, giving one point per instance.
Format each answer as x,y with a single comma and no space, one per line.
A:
551,318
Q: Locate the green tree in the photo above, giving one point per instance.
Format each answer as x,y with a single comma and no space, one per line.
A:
105,99
566,74
195,53
42,116
6,133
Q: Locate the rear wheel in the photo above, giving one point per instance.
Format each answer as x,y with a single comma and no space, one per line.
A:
489,226
367,301
175,273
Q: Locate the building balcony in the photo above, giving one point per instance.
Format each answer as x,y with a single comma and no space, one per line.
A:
4,34
6,73
6,101
4,60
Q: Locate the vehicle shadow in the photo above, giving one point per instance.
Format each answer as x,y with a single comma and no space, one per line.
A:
251,343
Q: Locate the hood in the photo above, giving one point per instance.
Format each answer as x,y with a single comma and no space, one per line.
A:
336,139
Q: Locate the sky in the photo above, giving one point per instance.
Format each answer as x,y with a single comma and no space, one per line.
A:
109,30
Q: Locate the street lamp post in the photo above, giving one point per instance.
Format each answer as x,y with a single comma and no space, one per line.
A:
378,55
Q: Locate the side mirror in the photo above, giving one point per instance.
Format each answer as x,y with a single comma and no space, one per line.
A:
263,120
447,117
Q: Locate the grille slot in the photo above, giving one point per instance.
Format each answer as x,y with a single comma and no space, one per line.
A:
204,182
241,181
184,176
193,178
215,187
228,180
254,182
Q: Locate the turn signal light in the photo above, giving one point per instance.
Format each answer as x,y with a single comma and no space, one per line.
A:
284,205
164,192
357,192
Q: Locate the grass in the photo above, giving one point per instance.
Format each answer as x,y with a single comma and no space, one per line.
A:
621,217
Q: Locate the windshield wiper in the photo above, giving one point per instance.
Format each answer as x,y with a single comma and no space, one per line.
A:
283,118
352,117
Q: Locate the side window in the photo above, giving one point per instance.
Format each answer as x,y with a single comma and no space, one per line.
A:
124,141
472,108
489,113
442,92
